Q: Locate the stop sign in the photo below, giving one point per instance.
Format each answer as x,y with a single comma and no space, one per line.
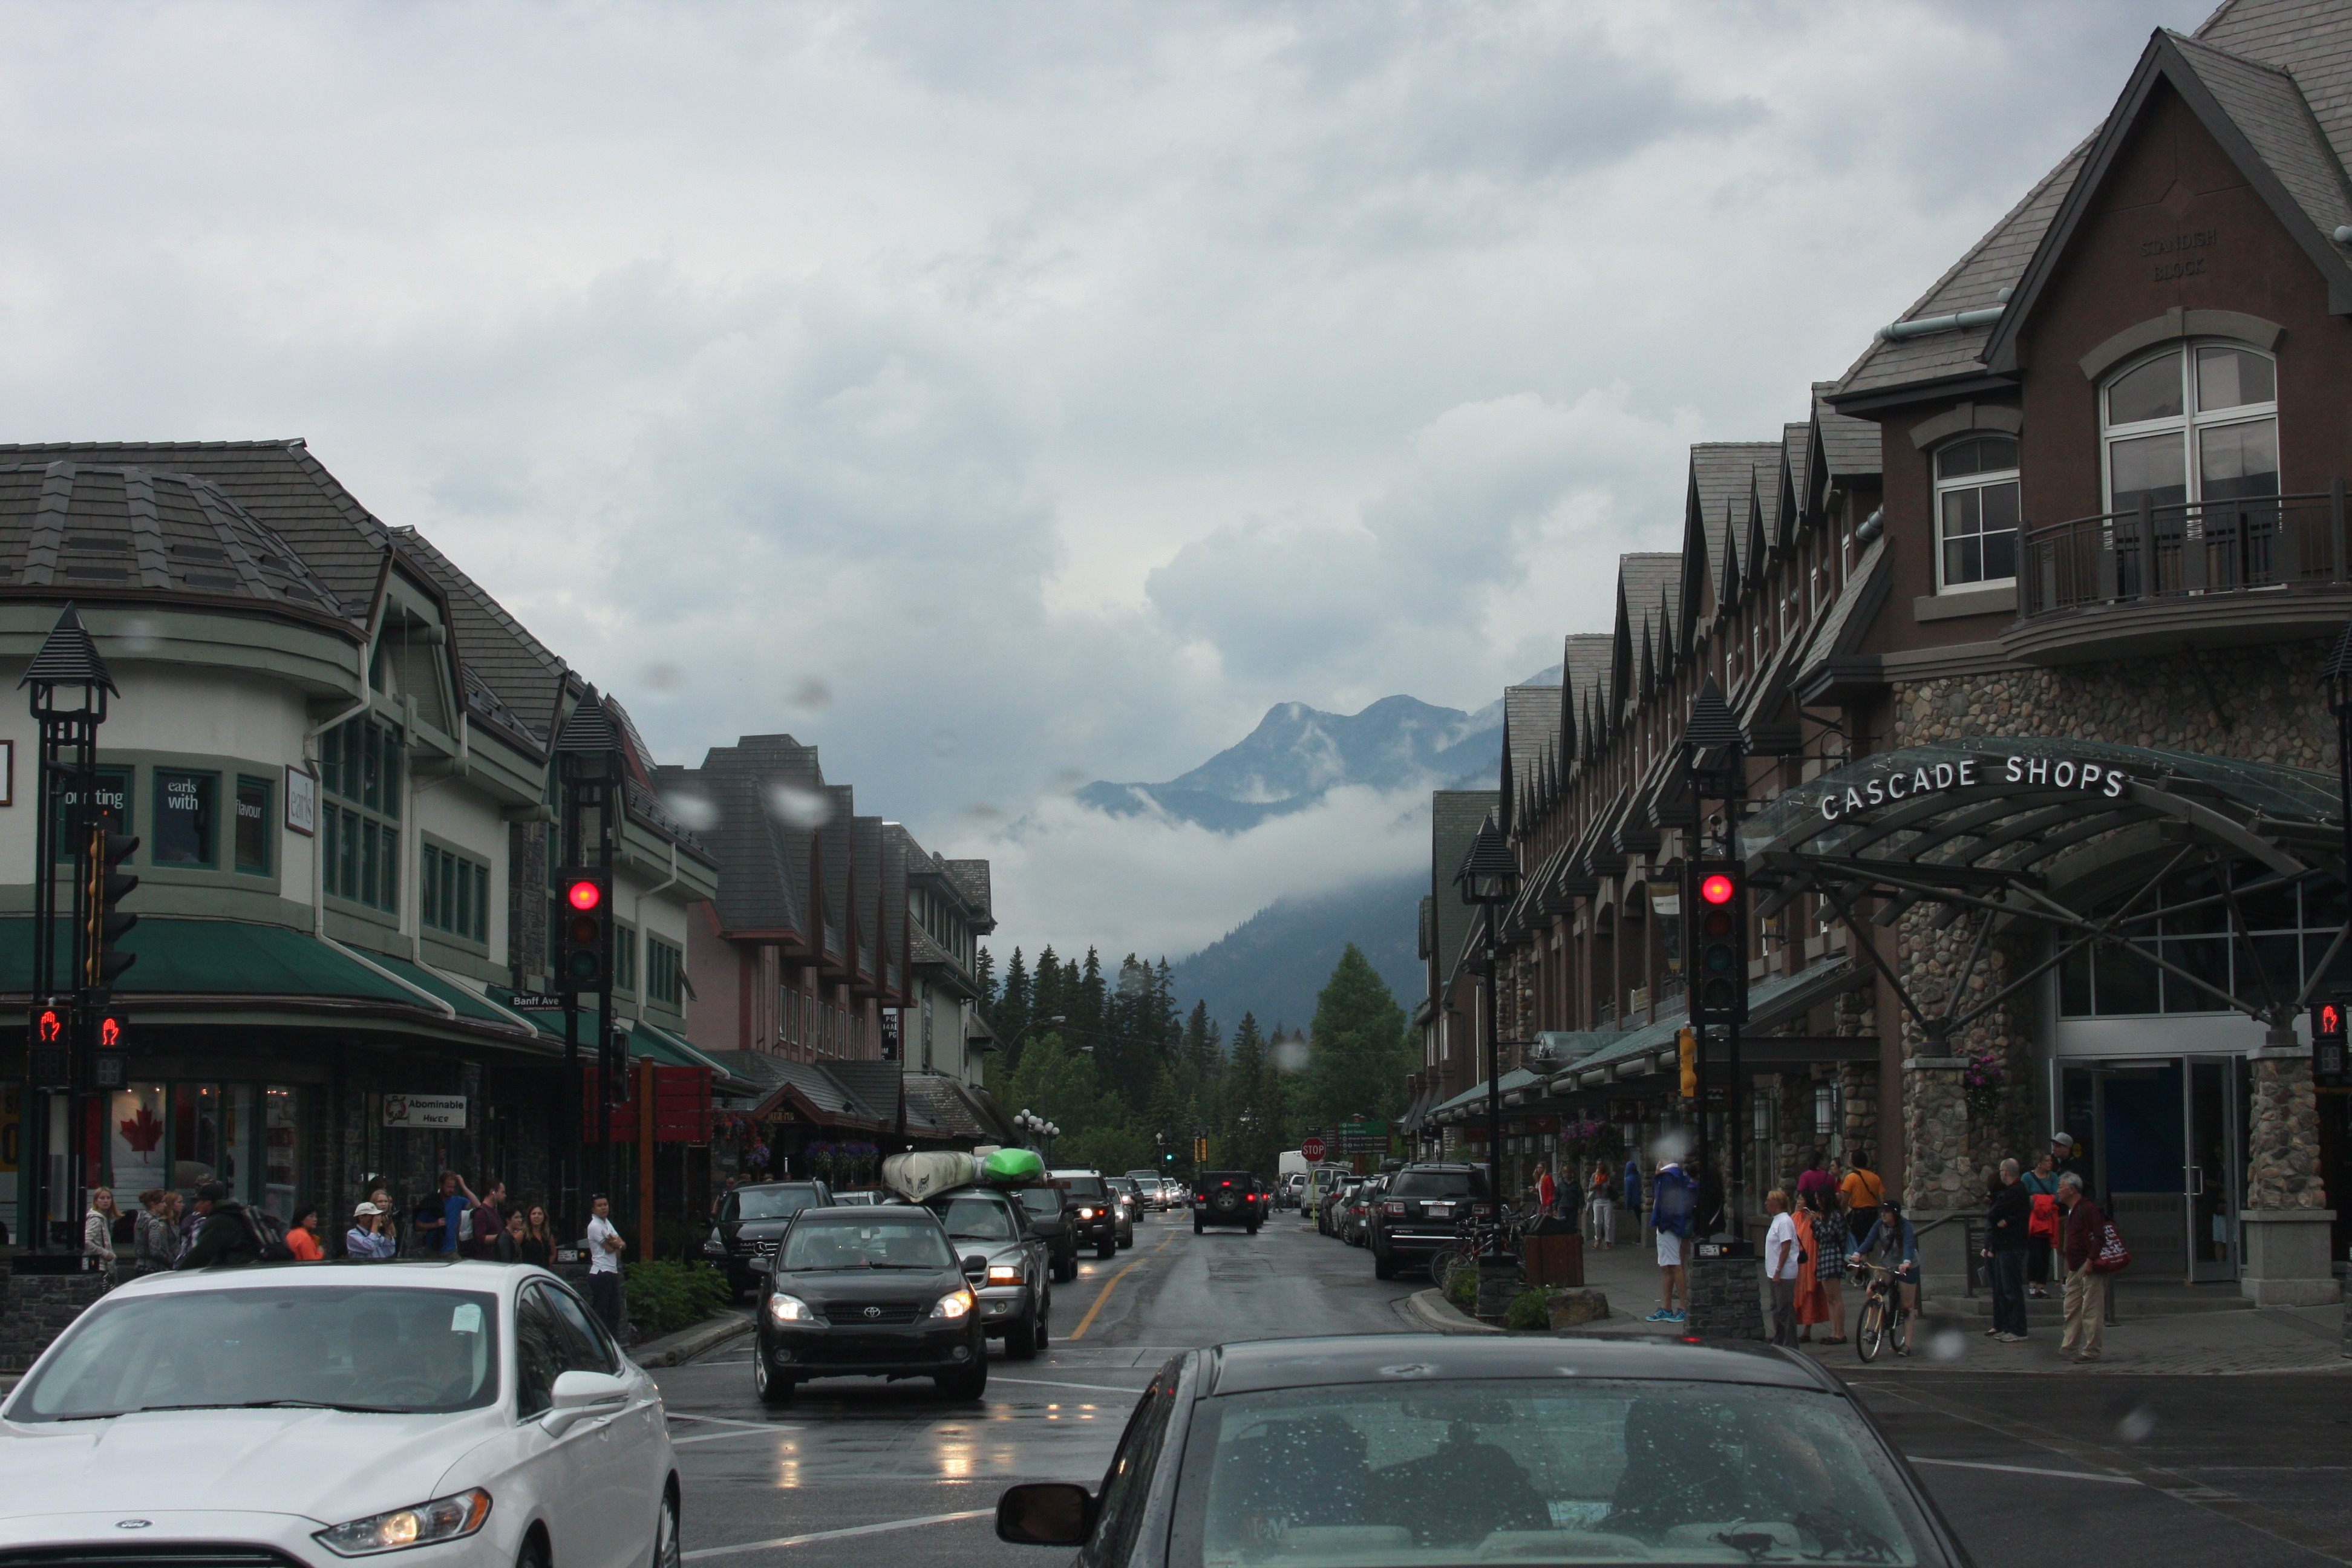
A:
1312,1149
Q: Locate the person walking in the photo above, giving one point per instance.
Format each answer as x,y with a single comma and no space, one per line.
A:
538,1238
1829,1244
1630,1189
1602,1206
303,1239
1812,1178
1545,1191
2086,1288
2009,1219
98,1233
489,1220
507,1248
370,1236
604,1248
1783,1263
155,1235
225,1237
1673,1208
2045,1226
1863,1193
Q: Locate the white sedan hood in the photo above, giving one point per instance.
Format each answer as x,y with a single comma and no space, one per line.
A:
326,1465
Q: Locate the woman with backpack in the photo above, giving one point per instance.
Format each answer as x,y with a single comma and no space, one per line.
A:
2045,1226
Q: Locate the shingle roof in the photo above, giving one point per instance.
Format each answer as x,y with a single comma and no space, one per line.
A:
1531,727
1454,818
1649,600
1796,460
520,675
763,862
1723,476
1584,670
99,532
1848,446
972,879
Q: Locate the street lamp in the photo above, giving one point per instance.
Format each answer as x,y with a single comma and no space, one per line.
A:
1056,1019
1489,878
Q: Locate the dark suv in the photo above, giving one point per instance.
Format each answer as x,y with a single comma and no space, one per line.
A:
1226,1197
1420,1214
1050,1217
751,1221
1093,1209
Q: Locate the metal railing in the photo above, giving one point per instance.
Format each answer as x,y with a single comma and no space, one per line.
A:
2183,550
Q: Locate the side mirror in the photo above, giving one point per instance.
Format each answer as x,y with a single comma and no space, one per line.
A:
1046,1513
975,1267
579,1394
758,1263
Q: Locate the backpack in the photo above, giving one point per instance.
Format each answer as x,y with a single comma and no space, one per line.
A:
269,1234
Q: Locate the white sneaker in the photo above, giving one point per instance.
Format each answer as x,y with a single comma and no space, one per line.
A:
2011,1339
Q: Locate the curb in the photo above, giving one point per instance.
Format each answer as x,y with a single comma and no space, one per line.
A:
686,1343
1443,1316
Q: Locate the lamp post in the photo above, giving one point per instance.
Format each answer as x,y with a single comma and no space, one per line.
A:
65,809
1715,751
1489,878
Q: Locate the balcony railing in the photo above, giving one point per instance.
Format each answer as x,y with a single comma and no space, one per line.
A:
2185,549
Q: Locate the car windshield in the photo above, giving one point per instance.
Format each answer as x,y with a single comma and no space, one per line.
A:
1084,1186
1437,1184
1042,1200
1411,1473
878,1241
369,1347
975,1219
766,1202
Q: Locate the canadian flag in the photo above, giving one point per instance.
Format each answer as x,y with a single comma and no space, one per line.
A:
143,1132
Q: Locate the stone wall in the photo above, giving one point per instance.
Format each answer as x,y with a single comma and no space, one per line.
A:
1726,1298
36,1307
2283,1165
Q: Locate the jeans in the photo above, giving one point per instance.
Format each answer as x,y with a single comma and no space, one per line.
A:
1604,1220
604,1296
2009,1293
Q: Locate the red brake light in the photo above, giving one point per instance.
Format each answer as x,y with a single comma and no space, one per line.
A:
1224,1184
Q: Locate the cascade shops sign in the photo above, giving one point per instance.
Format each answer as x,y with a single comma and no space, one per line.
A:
1974,773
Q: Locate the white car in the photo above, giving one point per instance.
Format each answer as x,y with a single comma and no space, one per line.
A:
442,1414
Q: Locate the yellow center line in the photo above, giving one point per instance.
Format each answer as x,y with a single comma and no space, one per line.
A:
1103,1294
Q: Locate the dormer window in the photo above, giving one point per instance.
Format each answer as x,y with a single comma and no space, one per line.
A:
1976,511
2195,423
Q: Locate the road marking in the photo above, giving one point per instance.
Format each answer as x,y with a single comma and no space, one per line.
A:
1103,1294
2031,1470
724,1437
1041,1382
783,1541
727,1421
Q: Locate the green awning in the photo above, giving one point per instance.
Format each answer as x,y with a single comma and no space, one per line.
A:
184,957
469,1003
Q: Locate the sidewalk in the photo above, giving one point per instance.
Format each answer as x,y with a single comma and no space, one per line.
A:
2265,1340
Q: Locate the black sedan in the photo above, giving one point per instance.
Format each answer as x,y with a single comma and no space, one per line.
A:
1400,1450
751,1220
868,1292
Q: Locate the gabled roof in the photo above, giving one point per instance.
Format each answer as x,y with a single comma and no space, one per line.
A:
513,678
1843,449
1648,592
1796,462
764,861
972,879
1583,669
1531,726
1717,510
1454,818
2259,115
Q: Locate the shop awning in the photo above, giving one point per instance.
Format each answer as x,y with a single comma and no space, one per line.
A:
2087,842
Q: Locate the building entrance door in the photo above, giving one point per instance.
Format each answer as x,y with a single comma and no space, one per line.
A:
2216,1167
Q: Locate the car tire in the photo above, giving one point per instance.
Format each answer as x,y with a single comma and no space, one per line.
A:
534,1553
1065,1270
1196,1225
666,1554
1045,1318
1251,1228
1021,1336
1107,1247
774,1391
971,1382
1383,1265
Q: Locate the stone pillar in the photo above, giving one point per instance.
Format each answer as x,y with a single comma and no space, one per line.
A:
2286,1217
1935,1133
1726,1298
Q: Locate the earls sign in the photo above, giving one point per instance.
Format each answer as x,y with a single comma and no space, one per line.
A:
1973,773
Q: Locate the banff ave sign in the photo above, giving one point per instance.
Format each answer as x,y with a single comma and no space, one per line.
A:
1974,773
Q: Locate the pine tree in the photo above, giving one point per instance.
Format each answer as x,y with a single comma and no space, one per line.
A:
1358,1058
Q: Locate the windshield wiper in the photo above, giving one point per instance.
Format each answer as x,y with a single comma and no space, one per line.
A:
280,1404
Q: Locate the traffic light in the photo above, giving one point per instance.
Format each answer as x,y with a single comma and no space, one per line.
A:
49,1029
1687,1054
1718,986
110,1061
107,887
2331,1067
1199,1150
584,959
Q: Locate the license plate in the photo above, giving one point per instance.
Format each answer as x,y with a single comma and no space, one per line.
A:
1440,1211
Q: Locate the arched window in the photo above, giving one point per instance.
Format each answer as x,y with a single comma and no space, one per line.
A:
2197,422
1976,511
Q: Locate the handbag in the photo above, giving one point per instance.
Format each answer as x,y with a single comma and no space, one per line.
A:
2112,1255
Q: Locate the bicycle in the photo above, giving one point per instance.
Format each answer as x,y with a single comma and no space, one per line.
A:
1884,1316
1476,1239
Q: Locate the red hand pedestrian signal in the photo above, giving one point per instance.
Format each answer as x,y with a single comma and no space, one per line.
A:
110,1033
50,1025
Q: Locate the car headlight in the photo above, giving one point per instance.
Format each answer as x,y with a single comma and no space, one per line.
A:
419,1524
954,1304
1004,1274
783,1309
1086,1214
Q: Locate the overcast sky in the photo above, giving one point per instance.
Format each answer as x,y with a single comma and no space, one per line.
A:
1005,395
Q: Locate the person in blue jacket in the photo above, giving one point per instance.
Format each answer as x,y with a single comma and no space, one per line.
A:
1674,1205
1633,1187
1892,1235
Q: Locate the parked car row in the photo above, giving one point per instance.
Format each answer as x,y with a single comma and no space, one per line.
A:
1404,1215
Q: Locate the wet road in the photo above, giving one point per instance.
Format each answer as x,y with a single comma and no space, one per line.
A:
853,1462
2032,1471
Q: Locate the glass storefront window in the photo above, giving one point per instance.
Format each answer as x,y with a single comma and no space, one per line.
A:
253,826
137,1158
281,1148
209,1124
112,803
2288,931
185,818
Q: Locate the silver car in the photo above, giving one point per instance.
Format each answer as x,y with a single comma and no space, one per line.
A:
1017,1298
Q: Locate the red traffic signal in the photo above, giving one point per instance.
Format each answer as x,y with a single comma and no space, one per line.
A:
583,894
109,1033
48,1025
1716,888
2327,1018
584,959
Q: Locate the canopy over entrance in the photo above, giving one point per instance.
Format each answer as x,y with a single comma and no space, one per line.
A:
2091,843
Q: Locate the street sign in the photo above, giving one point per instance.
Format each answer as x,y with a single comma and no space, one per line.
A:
435,1112
536,1002
1312,1150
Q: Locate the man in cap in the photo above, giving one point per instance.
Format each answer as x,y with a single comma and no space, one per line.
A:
225,1237
370,1236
